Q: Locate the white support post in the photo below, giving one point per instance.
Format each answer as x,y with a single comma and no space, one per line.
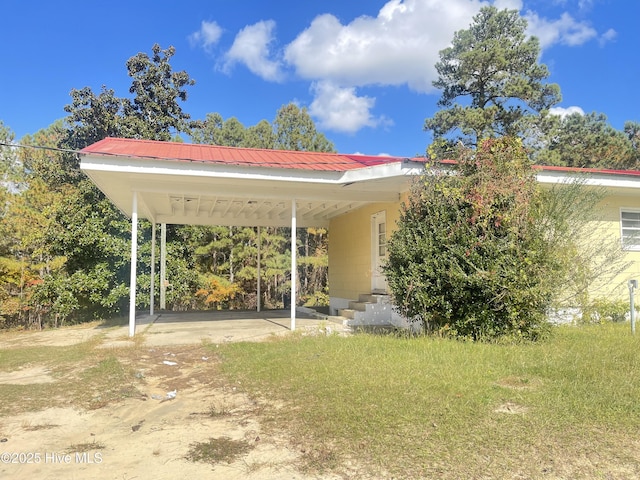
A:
163,266
258,294
633,284
152,282
294,263
134,261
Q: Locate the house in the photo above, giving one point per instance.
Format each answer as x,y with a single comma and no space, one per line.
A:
357,197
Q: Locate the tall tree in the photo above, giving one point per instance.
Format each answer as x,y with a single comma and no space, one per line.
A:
586,141
8,276
260,135
154,112
632,130
232,133
92,117
295,130
8,157
28,258
92,233
492,84
214,130
208,130
64,250
292,129
46,162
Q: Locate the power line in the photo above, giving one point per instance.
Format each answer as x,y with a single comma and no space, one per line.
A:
40,147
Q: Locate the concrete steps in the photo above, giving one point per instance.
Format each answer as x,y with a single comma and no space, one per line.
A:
369,309
358,307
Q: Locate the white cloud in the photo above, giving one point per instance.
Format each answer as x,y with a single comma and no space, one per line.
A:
381,154
251,47
399,46
508,4
341,109
207,36
585,4
608,36
565,30
563,112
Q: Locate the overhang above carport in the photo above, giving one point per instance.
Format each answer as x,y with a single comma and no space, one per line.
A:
212,185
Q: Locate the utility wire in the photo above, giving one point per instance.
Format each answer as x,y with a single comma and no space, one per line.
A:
39,147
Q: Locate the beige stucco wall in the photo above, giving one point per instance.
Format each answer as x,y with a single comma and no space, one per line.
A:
616,287
350,248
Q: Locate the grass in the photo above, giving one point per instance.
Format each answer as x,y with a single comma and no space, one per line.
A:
85,447
217,450
34,428
219,409
435,408
387,406
85,376
12,358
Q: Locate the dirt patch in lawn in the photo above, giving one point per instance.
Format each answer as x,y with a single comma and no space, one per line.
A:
184,421
51,337
27,376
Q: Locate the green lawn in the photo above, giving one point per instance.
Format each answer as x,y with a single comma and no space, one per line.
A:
568,407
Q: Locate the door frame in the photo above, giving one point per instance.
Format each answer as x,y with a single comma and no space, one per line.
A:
378,251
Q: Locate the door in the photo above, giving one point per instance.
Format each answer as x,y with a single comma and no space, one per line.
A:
378,252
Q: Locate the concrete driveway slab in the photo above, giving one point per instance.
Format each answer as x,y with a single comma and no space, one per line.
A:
184,328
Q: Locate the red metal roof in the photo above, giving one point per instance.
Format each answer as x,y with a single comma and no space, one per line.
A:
188,152
235,156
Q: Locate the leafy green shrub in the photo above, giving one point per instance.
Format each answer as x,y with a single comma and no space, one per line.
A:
470,256
316,299
602,310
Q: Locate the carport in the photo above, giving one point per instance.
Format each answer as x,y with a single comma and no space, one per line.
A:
178,183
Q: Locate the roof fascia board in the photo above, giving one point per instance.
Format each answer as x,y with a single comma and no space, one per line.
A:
591,179
187,168
122,164
396,169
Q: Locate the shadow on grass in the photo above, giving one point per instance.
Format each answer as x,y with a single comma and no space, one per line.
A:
113,322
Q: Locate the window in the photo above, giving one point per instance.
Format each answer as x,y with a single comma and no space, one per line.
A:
630,228
382,239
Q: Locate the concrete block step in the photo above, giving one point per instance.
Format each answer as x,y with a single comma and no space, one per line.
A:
347,313
361,306
367,298
372,297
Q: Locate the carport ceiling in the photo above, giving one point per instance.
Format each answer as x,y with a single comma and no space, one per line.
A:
209,185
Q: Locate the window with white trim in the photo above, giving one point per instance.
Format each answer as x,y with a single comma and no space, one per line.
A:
630,229
382,239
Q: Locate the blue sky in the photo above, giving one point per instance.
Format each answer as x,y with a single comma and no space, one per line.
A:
362,68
